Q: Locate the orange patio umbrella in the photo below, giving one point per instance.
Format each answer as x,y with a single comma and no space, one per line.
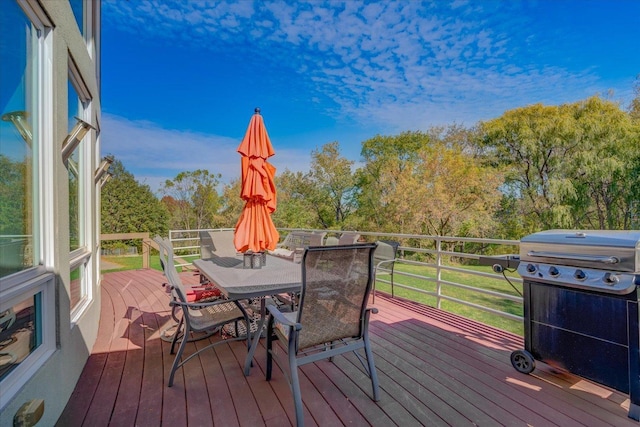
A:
255,230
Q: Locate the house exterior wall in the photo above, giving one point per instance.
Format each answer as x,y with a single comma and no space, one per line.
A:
63,279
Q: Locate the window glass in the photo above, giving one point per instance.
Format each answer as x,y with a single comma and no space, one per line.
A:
73,168
77,6
20,333
79,177
76,286
16,150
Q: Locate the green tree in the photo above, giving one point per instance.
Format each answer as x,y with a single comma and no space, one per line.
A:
13,210
427,182
602,170
295,209
196,199
385,181
634,107
456,195
231,205
131,207
533,144
568,166
332,189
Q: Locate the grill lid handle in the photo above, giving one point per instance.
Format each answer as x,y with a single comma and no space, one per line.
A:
576,257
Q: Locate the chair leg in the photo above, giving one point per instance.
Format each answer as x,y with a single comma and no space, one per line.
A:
249,337
174,313
372,368
269,348
295,390
176,361
176,336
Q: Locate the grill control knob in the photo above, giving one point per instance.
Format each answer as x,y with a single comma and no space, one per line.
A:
611,279
580,275
554,272
531,268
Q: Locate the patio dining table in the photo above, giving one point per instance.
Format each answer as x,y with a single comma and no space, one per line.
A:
236,282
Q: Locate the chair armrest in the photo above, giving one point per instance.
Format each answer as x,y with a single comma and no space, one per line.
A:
385,261
297,255
277,315
372,310
200,305
202,286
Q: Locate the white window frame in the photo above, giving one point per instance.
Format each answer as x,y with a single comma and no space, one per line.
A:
81,257
14,291
26,284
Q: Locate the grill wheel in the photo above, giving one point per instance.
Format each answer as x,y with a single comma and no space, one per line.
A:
523,361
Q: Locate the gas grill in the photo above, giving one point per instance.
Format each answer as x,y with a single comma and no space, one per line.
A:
580,292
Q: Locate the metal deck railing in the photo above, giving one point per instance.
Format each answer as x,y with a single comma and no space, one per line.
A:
441,271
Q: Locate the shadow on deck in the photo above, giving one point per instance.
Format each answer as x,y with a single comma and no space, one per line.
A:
435,369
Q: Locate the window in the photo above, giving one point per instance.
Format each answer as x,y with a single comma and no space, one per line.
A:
20,332
27,329
76,285
18,163
73,168
27,304
80,181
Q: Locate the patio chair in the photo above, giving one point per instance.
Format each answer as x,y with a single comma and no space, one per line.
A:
199,316
293,245
202,317
332,315
331,241
384,259
348,238
317,238
162,252
217,243
203,292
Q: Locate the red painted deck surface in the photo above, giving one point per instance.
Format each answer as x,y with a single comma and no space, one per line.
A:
435,369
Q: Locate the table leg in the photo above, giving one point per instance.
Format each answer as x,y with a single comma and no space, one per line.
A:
256,337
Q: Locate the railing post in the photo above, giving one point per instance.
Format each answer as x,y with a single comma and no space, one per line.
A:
145,252
438,271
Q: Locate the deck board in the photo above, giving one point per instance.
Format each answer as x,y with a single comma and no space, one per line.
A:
435,369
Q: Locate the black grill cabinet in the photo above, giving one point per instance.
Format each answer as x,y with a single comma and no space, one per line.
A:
581,306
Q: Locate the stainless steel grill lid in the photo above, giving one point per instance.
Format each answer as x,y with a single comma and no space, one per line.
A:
596,249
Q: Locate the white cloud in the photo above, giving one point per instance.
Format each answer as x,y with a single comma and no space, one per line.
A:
154,154
403,64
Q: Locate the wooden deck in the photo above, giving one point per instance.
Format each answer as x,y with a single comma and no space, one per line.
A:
435,369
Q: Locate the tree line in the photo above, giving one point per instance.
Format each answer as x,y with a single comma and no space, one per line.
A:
538,167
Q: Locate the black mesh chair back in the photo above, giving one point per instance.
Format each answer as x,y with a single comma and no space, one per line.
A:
332,316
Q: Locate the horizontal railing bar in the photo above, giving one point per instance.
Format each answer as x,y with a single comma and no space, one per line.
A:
462,302
483,291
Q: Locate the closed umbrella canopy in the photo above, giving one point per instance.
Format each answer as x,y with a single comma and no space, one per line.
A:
255,230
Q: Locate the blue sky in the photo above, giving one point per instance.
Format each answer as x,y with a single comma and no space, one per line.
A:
180,79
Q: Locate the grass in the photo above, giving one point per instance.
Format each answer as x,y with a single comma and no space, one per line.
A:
496,285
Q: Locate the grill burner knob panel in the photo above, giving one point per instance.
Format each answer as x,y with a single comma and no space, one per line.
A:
610,279
582,278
